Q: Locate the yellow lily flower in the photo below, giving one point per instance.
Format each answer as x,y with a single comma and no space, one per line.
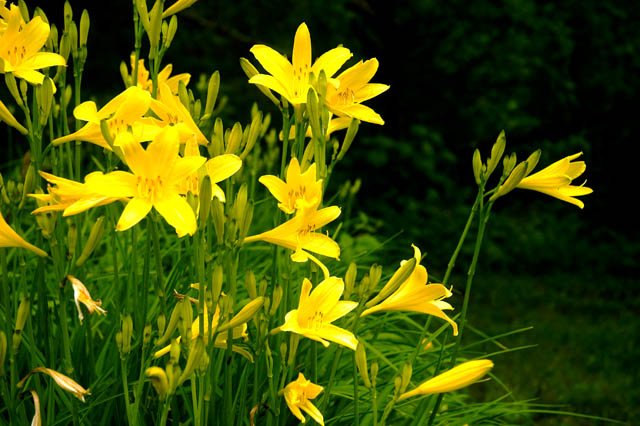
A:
177,7
414,295
7,117
239,332
353,89
171,111
157,174
81,295
316,311
9,238
291,79
123,112
61,380
555,180
300,191
297,395
145,83
297,234
20,44
458,377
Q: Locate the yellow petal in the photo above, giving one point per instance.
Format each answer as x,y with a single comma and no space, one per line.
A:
223,166
134,212
178,213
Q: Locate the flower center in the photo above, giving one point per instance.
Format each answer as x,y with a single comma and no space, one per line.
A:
345,97
16,54
149,188
315,322
300,80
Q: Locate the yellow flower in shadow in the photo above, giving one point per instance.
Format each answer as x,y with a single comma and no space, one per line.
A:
297,395
82,295
145,83
458,377
416,295
61,380
300,191
9,238
316,311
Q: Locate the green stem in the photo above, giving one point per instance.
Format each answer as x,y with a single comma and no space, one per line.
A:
125,388
286,127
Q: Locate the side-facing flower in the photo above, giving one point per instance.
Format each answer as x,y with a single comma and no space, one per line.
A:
20,45
297,395
157,175
7,117
458,377
9,238
298,234
291,79
300,191
172,113
144,82
316,311
81,295
416,295
354,88
61,380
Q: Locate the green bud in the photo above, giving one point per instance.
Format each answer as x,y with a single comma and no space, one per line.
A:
246,222
97,230
350,279
245,314
23,88
12,85
205,200
52,41
24,11
155,26
250,71
146,335
283,350
119,341
477,166
141,6
250,283
174,352
183,94
508,163
512,181
68,14
65,46
216,283
240,205
176,316
406,375
216,147
253,134
162,323
127,334
73,38
106,132
45,99
348,138
72,238
212,93
24,309
375,273
186,318
29,184
158,378
361,363
171,31
262,288
496,154
124,73
276,297
195,357
3,351
314,115
532,161
400,276
235,137
397,384
39,12
374,372
84,28
322,86
218,219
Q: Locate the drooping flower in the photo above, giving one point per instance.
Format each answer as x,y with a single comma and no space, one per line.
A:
456,378
297,395
125,111
177,7
9,238
354,88
298,234
291,79
171,111
316,311
81,295
416,295
61,380
20,45
145,83
555,180
37,419
7,117
300,191
157,175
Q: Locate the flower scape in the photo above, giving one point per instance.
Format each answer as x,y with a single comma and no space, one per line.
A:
203,262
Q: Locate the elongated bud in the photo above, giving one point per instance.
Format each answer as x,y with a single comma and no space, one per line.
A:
205,200
406,375
84,28
512,181
174,352
73,38
348,138
508,163
375,273
233,144
97,230
3,351
314,115
374,372
126,77
243,230
155,26
250,71
72,238
158,378
170,32
65,46
186,318
361,362
245,314
397,385
146,335
218,219
532,161
12,85
143,13
106,132
240,206
21,319
400,276
497,150
29,184
212,93
216,281
162,323
68,14
322,86
23,10
350,279
217,139
195,357
127,334
176,315
477,166
53,38
276,297
250,283
45,99
254,134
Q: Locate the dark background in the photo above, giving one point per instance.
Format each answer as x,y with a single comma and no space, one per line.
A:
562,76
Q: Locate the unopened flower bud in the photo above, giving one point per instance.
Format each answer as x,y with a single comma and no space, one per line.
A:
176,316
250,71
29,183
361,363
250,283
218,219
92,242
146,335
106,132
212,93
375,273
127,334
497,150
350,279
21,319
216,283
313,113
3,351
245,314
72,238
159,380
406,375
84,28
235,137
348,137
73,38
276,297
477,166
171,31
194,359
400,276
253,135
374,371
155,26
162,322
12,85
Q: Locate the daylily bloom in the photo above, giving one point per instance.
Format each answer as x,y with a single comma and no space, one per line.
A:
145,83
7,117
297,234
316,311
416,295
177,7
171,111
291,79
297,395
157,173
81,295
123,112
458,377
20,44
61,380
239,332
555,180
353,89
300,191
9,238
